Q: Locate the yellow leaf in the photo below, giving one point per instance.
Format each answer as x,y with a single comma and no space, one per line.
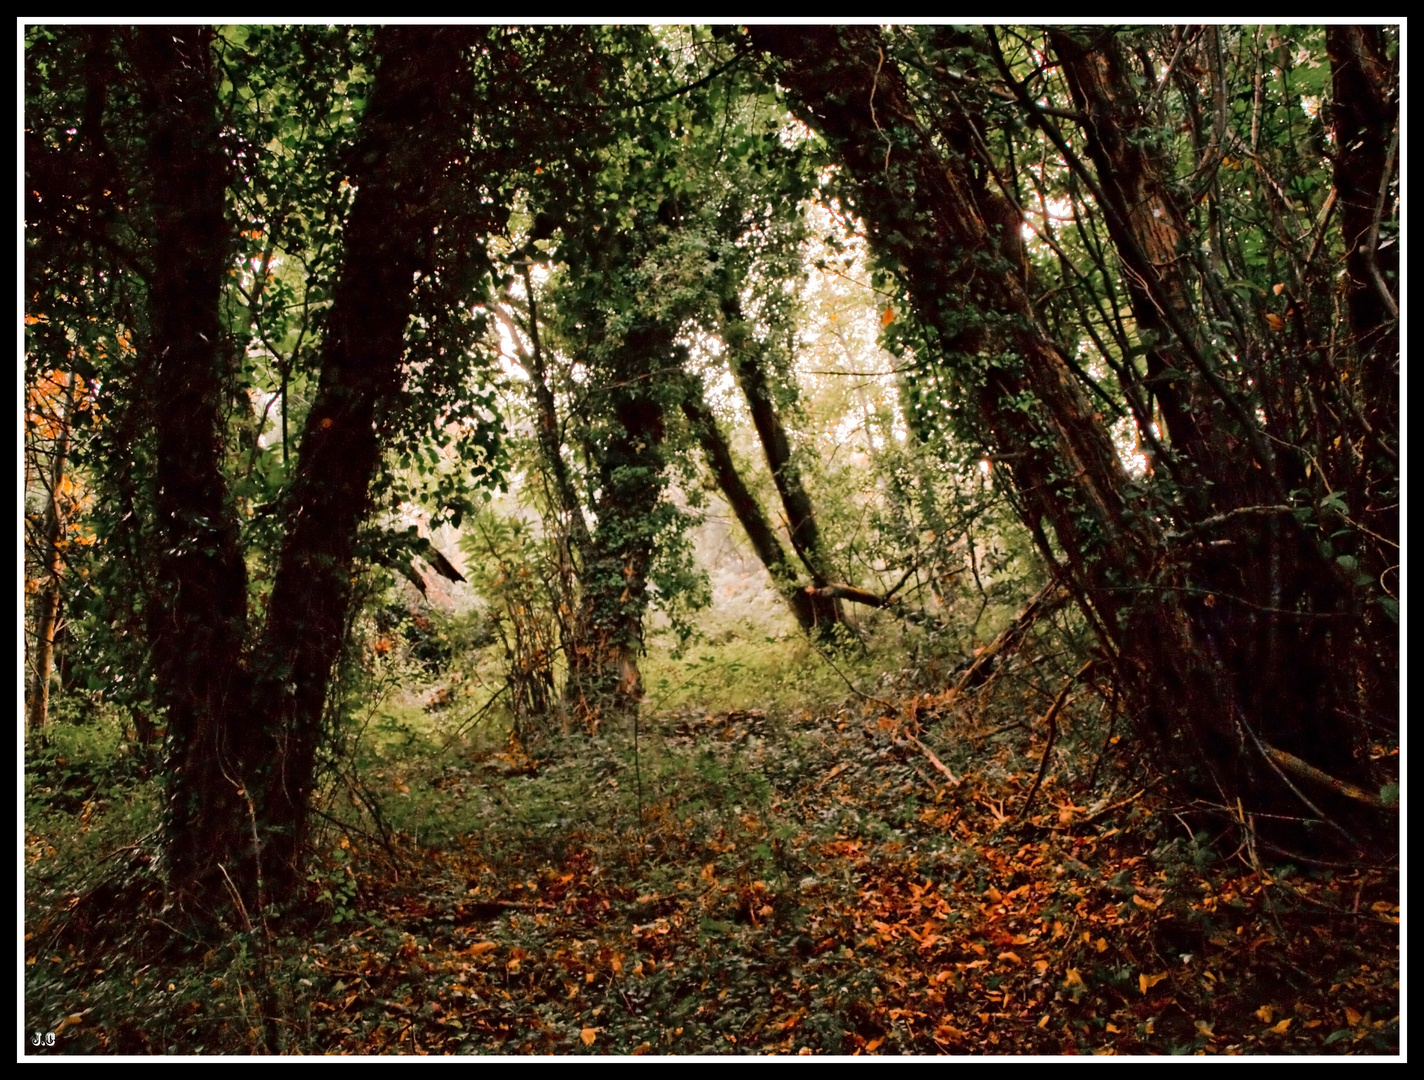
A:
888,317
512,967
1100,945
1011,957
1352,1016
588,1035
1264,1014
1280,1029
1146,905
1114,1029
1147,982
1204,1028
1073,978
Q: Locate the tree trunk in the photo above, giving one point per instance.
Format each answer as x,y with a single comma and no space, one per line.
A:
197,616
1149,230
571,533
632,477
244,731
744,504
409,140
1187,654
47,600
824,611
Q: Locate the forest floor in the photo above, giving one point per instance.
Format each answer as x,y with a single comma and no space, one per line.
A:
860,880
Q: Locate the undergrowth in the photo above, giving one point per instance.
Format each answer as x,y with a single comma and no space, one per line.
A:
744,869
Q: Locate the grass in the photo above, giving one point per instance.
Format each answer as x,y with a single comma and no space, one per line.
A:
766,862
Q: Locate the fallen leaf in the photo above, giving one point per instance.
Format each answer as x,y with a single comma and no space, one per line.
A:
1352,1016
588,1035
1264,1014
1073,978
1147,982
1279,1029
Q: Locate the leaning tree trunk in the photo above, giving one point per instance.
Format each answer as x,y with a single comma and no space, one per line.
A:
409,143
930,214
748,366
803,603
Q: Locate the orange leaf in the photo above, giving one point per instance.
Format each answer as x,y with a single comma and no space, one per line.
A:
947,1032
588,1035
888,317
1352,1016
482,947
1010,956
1280,1029
1147,982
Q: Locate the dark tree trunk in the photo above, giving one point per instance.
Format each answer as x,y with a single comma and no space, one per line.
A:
1188,656
932,217
823,610
744,504
197,616
244,729
1364,116
1150,231
408,148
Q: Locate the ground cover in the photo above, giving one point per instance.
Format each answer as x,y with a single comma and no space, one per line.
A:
851,880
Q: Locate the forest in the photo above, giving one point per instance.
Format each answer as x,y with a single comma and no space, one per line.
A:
626,540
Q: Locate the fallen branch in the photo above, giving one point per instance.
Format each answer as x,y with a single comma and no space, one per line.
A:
1051,719
936,762
1049,598
1307,771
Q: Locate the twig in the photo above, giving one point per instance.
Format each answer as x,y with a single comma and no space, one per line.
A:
1051,719
933,760
846,679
